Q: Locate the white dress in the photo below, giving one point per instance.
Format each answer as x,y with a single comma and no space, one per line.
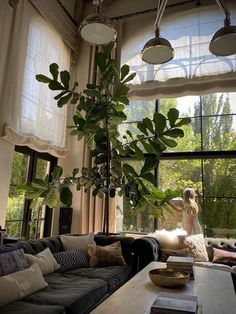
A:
196,229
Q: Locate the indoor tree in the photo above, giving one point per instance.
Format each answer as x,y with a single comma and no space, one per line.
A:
99,109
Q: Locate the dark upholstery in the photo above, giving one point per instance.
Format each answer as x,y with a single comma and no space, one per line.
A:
22,307
146,249
76,294
115,276
80,290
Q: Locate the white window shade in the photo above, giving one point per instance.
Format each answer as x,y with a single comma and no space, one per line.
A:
30,114
194,70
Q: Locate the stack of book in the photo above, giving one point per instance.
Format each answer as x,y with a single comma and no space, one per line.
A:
181,263
173,303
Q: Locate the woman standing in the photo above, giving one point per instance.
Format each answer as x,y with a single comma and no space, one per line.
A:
190,212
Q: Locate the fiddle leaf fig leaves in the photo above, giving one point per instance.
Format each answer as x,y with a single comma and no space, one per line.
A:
98,110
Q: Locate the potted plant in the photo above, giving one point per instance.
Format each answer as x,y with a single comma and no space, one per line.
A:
99,109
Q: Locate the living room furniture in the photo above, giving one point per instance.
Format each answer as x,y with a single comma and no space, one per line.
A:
214,289
78,290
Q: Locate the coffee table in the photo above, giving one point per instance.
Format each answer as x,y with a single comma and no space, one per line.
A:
213,287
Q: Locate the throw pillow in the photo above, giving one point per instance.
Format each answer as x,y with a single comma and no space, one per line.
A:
196,245
18,285
168,239
109,255
165,253
69,260
45,260
71,243
224,256
12,261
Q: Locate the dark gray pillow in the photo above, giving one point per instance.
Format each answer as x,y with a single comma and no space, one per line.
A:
69,260
12,261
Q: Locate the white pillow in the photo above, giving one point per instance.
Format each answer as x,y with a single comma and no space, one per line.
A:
45,260
196,245
71,243
168,239
18,285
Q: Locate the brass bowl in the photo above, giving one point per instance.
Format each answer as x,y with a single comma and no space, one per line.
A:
167,277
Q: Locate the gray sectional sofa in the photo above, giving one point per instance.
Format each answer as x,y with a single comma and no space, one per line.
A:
80,290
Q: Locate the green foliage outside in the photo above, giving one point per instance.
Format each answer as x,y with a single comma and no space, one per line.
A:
219,175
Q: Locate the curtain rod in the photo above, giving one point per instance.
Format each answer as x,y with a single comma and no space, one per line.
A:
119,17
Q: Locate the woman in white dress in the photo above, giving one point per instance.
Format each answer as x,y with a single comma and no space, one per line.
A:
190,212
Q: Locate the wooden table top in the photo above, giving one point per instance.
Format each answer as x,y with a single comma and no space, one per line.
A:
214,289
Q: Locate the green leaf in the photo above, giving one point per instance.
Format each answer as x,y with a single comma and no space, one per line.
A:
129,78
57,172
108,49
183,121
42,78
149,177
150,164
53,68
130,170
91,86
65,78
121,90
100,60
66,196
124,71
173,115
142,128
130,134
60,95
168,142
55,85
75,171
148,123
64,100
160,122
175,133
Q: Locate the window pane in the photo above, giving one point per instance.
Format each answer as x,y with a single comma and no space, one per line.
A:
218,104
219,177
219,133
13,228
220,217
19,168
188,106
139,109
42,168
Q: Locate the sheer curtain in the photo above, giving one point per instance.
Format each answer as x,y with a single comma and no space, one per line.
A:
29,113
194,69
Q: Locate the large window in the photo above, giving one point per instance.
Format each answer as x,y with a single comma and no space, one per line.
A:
204,159
21,220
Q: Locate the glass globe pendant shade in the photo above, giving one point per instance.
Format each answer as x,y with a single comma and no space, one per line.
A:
223,42
97,29
157,50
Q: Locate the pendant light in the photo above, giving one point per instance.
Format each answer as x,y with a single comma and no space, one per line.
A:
223,43
158,50
97,29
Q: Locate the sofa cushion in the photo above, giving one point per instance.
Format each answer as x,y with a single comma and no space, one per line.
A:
45,260
108,255
71,243
11,261
71,259
17,285
21,307
213,265
115,276
224,257
71,292
196,245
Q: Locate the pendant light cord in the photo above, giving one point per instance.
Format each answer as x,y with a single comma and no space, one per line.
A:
225,10
160,11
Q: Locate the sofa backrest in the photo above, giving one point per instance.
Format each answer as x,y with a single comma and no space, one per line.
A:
221,243
36,246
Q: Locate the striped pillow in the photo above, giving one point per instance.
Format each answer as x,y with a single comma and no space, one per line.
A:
12,261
